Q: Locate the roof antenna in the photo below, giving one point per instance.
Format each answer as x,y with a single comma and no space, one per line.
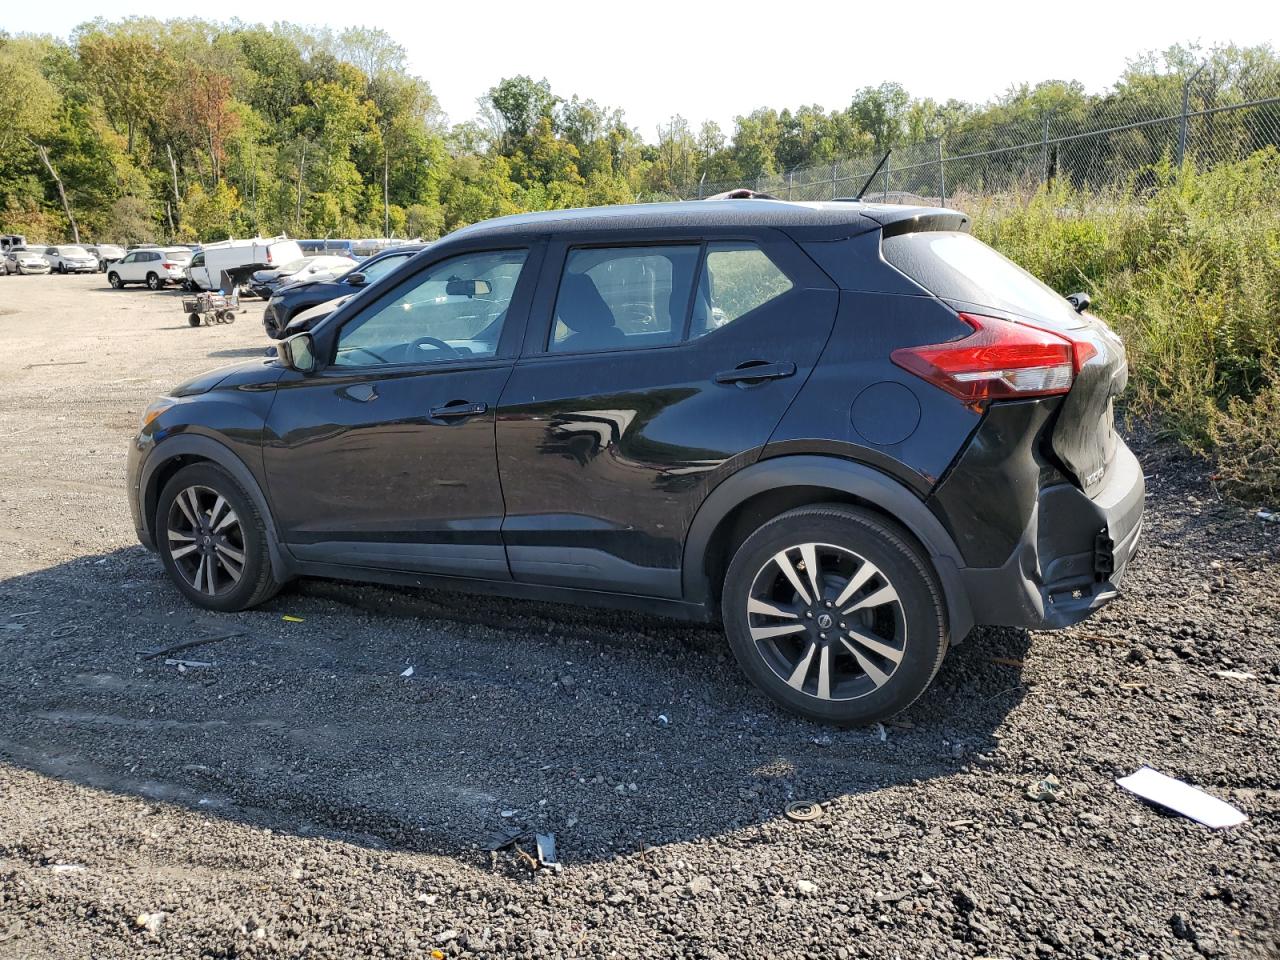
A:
866,185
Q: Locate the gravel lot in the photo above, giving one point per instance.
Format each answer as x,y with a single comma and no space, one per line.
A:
298,797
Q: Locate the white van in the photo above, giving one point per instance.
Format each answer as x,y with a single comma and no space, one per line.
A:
205,271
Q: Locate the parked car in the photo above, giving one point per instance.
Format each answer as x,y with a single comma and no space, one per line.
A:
289,301
265,282
105,253
24,260
209,263
71,259
849,432
154,267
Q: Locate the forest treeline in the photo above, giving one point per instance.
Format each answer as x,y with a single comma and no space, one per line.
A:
192,130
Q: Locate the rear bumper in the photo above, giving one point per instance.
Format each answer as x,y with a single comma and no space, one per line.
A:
1071,557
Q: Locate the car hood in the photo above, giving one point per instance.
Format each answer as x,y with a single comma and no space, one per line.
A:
248,373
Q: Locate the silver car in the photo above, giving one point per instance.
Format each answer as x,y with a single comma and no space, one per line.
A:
23,260
71,258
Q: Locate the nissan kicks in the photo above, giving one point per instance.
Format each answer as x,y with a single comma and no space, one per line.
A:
848,432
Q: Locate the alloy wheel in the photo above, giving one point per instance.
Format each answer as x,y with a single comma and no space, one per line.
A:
206,540
827,621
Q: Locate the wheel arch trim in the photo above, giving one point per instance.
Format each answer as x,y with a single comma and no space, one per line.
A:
206,448
843,477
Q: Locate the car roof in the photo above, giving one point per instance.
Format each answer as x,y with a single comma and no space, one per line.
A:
810,220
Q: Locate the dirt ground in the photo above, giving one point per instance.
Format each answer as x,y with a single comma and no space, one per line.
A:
297,796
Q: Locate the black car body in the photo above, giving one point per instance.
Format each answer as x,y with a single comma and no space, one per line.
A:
287,303
849,431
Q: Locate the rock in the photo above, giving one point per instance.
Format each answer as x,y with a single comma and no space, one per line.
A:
700,886
445,936
1181,927
806,888
150,922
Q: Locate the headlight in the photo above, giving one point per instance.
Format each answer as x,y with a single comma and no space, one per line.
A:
157,407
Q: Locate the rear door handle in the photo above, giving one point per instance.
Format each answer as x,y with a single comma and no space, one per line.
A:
756,371
458,408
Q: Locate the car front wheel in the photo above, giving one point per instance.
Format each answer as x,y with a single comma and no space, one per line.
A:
834,613
113,278
213,541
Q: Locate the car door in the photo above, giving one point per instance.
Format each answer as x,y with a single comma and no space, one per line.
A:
644,383
385,456
125,266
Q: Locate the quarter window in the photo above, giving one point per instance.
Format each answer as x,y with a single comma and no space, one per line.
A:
623,297
737,278
451,311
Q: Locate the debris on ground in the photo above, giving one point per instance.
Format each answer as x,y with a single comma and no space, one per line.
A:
879,731
407,671
1268,516
1182,798
802,811
164,651
1048,789
150,922
290,618
545,850
185,665
1235,675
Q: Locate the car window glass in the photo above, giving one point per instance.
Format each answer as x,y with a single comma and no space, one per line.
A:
737,277
623,297
198,260
453,310
382,268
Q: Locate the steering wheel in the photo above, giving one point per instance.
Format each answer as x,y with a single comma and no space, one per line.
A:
411,352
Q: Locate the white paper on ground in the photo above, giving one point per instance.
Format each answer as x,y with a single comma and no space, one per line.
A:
1183,798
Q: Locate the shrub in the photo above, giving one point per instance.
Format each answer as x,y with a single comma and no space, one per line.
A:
1189,275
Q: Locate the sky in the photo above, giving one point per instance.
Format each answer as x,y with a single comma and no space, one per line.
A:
713,61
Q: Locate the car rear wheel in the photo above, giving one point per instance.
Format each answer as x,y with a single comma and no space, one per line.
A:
153,281
833,612
213,541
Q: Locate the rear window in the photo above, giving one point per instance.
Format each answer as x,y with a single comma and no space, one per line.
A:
956,266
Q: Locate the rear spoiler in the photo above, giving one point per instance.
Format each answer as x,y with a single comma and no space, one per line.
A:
900,220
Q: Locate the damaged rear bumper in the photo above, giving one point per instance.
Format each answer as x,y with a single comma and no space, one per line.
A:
1061,554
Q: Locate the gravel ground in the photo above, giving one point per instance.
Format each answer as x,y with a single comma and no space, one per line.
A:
298,796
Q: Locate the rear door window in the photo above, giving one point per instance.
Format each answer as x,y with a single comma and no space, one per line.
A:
614,298
956,266
737,277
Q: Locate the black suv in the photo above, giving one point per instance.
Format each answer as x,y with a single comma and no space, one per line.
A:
850,432
287,302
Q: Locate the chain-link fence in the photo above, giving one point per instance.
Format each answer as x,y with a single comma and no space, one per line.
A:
1115,140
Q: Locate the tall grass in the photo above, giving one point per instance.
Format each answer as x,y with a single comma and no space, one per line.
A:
1189,275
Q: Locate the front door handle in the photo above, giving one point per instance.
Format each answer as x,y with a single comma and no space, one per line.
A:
458,408
756,371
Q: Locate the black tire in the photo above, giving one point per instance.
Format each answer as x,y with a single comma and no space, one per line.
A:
154,282
864,683
255,583
193,319
62,268
113,278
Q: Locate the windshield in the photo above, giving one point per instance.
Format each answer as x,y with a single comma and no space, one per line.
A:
73,251
293,266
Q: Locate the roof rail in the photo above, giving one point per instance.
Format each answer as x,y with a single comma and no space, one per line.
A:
742,193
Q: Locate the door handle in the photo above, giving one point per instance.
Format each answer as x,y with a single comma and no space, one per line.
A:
756,371
458,408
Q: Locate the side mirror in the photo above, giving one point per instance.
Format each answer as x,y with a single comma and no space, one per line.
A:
298,352
357,280
1079,300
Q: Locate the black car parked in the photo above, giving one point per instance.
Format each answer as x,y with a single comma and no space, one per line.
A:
849,432
288,303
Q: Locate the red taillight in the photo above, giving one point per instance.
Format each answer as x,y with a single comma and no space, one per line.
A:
168,266
999,359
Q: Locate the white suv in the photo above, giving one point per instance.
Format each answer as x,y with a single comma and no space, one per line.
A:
154,267
71,259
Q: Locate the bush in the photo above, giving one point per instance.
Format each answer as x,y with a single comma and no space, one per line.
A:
1189,275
